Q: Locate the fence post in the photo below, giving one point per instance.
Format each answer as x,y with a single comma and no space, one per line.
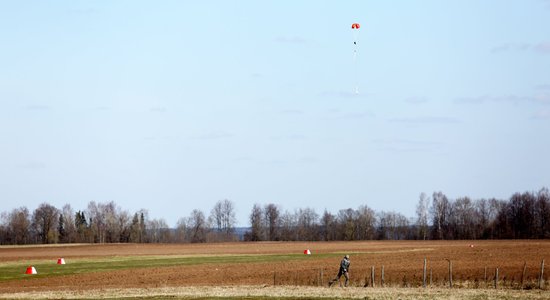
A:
382,277
372,276
485,276
424,275
523,274
541,278
322,283
450,274
430,277
496,278
274,277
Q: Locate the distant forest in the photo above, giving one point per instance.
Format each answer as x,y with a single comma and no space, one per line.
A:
523,216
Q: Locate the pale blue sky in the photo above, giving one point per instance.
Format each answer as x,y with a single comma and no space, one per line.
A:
174,105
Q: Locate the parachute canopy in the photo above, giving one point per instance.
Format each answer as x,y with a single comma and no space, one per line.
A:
355,26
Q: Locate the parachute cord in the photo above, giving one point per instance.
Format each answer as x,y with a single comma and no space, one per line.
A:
356,71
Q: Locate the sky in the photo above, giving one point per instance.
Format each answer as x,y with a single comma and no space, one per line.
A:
172,106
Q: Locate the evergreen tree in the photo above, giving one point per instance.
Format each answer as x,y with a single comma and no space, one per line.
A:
61,229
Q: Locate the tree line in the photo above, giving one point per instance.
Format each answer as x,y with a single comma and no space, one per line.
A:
523,216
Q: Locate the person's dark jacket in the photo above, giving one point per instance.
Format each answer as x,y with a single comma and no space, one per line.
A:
344,265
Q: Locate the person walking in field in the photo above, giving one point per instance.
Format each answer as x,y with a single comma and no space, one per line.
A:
344,268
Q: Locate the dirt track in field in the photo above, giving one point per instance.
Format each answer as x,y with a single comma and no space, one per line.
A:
402,261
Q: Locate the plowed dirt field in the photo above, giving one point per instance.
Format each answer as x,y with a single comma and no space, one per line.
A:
277,263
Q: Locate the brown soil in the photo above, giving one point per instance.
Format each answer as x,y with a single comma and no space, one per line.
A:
402,261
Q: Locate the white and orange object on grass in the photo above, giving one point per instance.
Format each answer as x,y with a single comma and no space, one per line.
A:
307,252
31,270
61,261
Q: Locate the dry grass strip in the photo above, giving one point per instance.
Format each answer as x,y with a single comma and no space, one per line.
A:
284,292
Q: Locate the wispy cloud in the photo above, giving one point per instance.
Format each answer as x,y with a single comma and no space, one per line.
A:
243,159
38,107
291,40
83,11
357,115
292,112
32,165
426,120
290,137
406,145
158,109
153,138
309,160
542,47
297,137
213,135
513,99
343,94
543,98
543,114
337,114
416,100
470,100
506,47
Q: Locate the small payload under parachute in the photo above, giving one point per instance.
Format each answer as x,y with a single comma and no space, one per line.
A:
355,29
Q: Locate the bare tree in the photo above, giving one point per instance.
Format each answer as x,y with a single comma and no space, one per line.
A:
307,227
197,227
109,213
495,207
288,226
256,232
159,232
482,209
328,226
18,226
272,221
422,216
180,234
44,220
464,219
393,226
216,216
346,224
440,211
3,228
123,225
520,213
365,223
403,227
386,225
542,217
69,225
96,222
223,217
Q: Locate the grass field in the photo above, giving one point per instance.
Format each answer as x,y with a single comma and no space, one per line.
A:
274,270
12,270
